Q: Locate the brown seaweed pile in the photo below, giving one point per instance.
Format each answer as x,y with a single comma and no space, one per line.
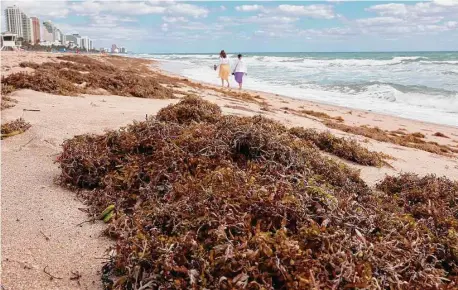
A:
15,127
7,101
240,203
407,140
345,148
190,109
81,74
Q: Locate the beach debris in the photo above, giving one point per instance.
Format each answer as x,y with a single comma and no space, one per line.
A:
45,236
439,134
13,128
240,202
75,275
51,277
320,115
190,109
108,217
414,140
67,78
106,211
7,101
348,149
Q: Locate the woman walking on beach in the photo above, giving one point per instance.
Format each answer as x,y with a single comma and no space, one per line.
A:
224,68
239,71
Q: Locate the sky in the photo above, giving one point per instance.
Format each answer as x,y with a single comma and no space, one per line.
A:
255,26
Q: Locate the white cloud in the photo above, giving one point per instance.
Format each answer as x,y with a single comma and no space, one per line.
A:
418,18
249,8
390,9
164,27
374,21
188,9
223,8
446,2
58,9
108,20
201,26
174,19
452,24
414,11
313,11
89,7
259,19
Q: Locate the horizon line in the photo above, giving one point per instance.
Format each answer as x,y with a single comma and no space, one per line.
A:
362,51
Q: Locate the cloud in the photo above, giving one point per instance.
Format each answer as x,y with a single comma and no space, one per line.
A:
249,8
89,7
104,33
375,21
312,11
223,8
418,18
108,20
446,2
414,11
258,19
187,9
164,27
452,24
58,9
174,19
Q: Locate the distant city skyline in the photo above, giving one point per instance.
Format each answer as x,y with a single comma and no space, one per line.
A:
46,33
261,26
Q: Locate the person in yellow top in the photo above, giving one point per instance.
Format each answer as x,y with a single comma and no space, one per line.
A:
224,68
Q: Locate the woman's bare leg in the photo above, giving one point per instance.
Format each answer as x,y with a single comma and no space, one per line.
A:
222,83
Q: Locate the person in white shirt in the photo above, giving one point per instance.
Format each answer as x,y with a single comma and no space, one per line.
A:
224,68
239,71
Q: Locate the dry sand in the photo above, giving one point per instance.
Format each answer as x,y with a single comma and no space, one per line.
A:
34,208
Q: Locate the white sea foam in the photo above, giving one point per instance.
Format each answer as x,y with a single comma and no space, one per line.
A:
417,87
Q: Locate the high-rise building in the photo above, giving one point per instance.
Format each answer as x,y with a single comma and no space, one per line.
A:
36,35
75,38
114,48
27,28
49,31
13,20
85,44
19,23
60,37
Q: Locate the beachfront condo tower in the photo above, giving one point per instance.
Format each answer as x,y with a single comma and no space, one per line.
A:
19,23
36,34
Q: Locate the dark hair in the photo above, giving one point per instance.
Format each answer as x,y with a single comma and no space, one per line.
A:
239,56
222,54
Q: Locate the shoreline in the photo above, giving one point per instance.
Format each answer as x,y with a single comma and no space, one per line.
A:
30,195
271,94
156,65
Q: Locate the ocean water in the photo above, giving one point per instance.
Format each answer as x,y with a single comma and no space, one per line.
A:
415,85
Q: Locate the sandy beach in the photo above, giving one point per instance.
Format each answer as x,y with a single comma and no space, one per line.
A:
39,218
